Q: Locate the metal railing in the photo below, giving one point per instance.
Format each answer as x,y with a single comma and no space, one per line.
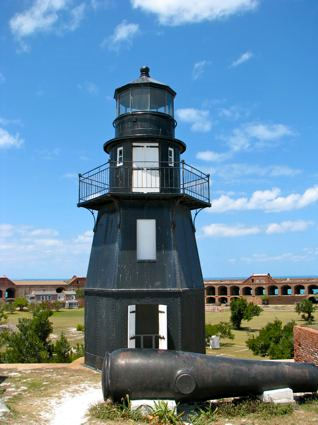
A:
144,177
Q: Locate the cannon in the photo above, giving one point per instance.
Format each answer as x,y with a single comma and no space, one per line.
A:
184,376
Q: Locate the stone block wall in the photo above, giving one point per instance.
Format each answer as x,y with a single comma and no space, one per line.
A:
306,345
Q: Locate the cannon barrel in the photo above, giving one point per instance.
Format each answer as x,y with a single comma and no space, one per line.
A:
161,374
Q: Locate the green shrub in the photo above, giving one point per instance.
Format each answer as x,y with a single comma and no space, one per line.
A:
30,344
80,327
62,350
222,329
306,309
20,303
9,307
116,412
78,351
242,310
56,305
80,293
274,340
3,313
265,299
164,415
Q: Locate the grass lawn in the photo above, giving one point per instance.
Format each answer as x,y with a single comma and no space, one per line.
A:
63,321
66,321
237,347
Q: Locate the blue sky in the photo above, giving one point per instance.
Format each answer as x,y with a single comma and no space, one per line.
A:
245,73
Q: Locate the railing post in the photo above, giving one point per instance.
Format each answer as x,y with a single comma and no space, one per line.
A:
182,165
79,187
208,175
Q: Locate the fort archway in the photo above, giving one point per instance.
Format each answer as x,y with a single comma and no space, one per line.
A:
300,290
259,290
210,300
314,300
10,293
313,289
223,300
222,290
286,290
234,290
59,290
272,290
210,290
247,291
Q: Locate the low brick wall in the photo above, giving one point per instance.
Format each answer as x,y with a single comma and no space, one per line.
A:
306,345
285,299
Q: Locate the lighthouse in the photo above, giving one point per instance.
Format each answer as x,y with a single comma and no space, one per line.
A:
144,282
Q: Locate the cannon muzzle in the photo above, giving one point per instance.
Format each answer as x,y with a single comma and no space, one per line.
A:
161,374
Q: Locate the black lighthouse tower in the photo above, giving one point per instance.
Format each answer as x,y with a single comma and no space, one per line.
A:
144,282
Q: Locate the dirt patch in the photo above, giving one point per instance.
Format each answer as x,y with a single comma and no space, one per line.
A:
48,395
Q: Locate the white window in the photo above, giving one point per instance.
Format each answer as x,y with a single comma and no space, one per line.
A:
171,157
120,152
146,240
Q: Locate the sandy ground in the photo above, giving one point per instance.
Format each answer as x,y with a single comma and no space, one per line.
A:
72,405
48,394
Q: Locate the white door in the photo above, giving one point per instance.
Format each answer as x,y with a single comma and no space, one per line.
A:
146,176
131,343
163,328
150,330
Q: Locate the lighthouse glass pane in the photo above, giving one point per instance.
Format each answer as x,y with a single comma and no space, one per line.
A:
124,102
146,240
158,101
169,108
140,99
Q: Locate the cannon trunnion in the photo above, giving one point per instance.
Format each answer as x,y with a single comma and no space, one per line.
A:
178,375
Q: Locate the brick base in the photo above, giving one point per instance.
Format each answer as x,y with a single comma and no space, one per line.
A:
306,345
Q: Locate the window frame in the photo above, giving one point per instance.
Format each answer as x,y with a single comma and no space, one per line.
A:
120,154
139,248
170,158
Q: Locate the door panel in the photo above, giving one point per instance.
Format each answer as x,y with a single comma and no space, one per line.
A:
147,326
145,168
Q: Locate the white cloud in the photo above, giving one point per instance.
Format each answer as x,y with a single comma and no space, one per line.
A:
123,34
233,112
41,16
6,230
224,230
266,200
98,4
198,118
288,226
32,246
199,68
2,78
266,258
44,16
8,140
246,56
76,17
89,87
257,135
212,156
85,237
267,132
177,12
6,122
236,171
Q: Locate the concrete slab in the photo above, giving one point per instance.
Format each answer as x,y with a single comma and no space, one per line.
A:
283,395
147,406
